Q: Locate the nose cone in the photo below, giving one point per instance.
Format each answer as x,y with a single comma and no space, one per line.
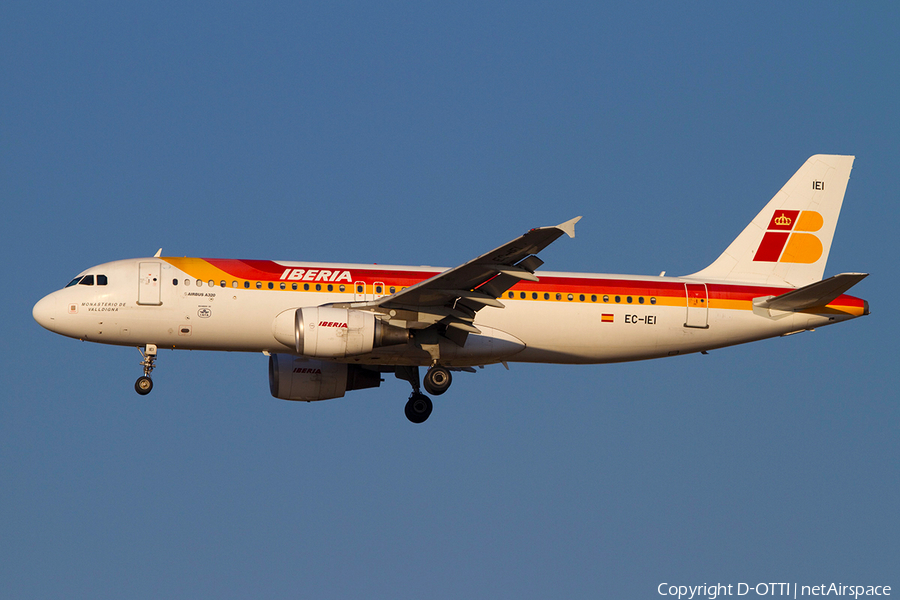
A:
45,312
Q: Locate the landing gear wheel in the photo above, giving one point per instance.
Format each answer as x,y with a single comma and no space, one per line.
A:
418,408
143,385
437,380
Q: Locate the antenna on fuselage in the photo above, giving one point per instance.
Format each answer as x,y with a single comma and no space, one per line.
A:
158,253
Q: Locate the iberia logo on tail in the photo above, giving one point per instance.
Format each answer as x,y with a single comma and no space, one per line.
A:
790,238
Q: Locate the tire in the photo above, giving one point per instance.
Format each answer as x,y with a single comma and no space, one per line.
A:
437,380
143,385
418,408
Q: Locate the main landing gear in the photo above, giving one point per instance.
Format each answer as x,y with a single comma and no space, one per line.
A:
418,407
437,380
144,384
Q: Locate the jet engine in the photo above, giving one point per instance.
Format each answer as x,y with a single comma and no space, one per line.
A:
328,332
293,378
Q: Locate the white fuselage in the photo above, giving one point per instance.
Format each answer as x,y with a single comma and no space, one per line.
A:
562,319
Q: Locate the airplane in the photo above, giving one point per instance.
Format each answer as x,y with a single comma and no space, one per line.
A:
330,328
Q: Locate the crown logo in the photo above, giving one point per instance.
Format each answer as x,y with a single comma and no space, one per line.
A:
783,220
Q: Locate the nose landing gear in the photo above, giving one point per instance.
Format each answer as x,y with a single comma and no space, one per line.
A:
144,384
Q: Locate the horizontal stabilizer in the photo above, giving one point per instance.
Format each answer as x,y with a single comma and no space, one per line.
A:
820,293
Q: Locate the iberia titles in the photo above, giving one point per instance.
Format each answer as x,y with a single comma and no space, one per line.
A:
315,275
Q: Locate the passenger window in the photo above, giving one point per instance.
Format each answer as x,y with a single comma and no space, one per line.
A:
593,297
581,297
570,297
271,286
246,284
174,281
359,289
618,299
652,300
546,296
187,282
234,284
101,280
512,294
559,296
628,299
259,285
319,287
605,298
282,285
222,283
305,287
641,300
522,295
330,288
199,283
393,289
534,295
212,283
340,288
294,286
87,280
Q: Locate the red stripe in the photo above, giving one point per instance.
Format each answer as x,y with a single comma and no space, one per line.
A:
267,270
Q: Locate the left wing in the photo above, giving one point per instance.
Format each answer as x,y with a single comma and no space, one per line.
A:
451,299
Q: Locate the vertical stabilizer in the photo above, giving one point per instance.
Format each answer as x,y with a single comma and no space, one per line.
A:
788,242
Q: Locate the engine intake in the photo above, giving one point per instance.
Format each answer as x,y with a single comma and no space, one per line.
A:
327,332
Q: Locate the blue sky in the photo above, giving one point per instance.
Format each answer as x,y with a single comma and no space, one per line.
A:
423,133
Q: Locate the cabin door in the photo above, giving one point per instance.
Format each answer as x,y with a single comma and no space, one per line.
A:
148,284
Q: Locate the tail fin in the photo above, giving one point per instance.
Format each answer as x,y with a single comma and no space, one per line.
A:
788,242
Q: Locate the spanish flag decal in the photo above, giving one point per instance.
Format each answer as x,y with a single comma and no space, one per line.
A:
607,319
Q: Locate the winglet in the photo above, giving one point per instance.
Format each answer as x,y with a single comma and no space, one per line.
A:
569,226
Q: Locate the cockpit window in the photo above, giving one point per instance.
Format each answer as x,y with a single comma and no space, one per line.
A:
101,279
74,281
87,280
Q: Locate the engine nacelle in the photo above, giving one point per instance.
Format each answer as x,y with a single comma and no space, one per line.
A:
328,332
292,378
